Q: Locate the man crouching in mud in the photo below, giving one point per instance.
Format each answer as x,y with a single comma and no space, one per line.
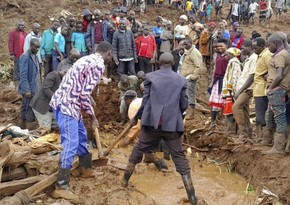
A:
72,96
161,111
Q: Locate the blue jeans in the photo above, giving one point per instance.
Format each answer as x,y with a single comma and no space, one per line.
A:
126,67
73,138
276,112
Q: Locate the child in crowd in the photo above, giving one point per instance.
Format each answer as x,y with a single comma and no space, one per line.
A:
78,39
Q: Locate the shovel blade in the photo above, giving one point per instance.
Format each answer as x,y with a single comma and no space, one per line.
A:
100,162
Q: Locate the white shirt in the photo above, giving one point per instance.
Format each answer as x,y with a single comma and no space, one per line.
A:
26,45
235,9
253,7
248,69
181,31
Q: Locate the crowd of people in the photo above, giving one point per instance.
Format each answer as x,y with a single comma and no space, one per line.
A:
160,64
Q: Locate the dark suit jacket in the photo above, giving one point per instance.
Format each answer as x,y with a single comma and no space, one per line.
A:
176,57
40,101
164,100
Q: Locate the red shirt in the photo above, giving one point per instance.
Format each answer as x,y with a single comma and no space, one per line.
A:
263,5
16,42
85,25
146,46
98,32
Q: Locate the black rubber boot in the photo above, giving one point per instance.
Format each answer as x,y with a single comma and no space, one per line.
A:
86,166
128,173
62,181
159,163
62,186
189,189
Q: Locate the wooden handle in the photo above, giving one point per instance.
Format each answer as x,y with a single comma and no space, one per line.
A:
98,142
120,136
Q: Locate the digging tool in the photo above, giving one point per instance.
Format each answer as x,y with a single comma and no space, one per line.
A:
102,159
120,136
287,145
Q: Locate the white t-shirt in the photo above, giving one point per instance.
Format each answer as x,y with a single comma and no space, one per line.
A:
235,9
253,7
181,31
248,69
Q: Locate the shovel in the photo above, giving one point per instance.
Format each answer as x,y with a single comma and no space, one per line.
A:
120,136
102,160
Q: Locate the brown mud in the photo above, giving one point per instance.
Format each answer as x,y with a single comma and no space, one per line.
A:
214,184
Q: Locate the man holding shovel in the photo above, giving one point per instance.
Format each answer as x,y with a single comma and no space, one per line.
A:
74,95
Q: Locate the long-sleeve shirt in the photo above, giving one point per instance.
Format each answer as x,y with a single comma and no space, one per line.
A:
16,42
47,42
26,46
73,94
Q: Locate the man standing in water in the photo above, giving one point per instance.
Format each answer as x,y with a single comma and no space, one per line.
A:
163,103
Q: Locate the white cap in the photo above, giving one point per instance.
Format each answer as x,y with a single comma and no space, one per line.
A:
183,17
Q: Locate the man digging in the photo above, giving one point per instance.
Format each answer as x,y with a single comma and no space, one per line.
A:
74,95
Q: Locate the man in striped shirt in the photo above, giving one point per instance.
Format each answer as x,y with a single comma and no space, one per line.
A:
74,95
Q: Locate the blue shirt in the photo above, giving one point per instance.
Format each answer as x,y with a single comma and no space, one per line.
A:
47,42
78,39
227,34
60,40
157,31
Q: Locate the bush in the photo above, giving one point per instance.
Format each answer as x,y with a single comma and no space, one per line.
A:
6,71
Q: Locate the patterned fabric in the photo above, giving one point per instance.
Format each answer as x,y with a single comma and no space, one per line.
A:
77,85
215,99
231,77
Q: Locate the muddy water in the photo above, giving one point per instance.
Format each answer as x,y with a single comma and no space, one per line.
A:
214,186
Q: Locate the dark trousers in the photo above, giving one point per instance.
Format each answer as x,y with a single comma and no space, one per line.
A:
47,64
149,140
16,76
56,60
126,67
26,112
144,64
234,18
261,105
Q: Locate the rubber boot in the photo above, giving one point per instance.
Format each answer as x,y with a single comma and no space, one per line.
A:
86,166
259,131
128,173
231,125
189,189
190,112
213,115
267,137
62,186
160,164
279,144
243,132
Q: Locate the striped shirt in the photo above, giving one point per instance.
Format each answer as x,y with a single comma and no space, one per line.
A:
73,94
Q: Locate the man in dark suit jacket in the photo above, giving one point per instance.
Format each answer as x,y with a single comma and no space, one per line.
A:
40,102
30,78
163,103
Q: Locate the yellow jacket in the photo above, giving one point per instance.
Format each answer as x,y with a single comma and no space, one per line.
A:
192,65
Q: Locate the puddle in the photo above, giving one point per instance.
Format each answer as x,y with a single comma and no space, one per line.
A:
212,184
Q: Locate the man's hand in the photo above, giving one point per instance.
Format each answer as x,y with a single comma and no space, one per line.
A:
236,95
117,62
28,95
94,123
269,91
133,121
136,60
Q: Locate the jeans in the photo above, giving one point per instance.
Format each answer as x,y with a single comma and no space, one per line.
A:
26,112
276,112
190,91
73,138
261,105
149,140
126,67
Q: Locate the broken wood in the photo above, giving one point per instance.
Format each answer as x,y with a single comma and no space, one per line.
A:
196,148
9,188
207,111
202,101
16,173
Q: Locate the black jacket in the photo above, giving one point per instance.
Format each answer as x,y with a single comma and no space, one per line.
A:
40,102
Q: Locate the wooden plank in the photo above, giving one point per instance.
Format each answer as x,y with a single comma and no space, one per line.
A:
9,188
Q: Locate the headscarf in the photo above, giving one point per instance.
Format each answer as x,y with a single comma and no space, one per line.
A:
234,51
211,24
183,17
